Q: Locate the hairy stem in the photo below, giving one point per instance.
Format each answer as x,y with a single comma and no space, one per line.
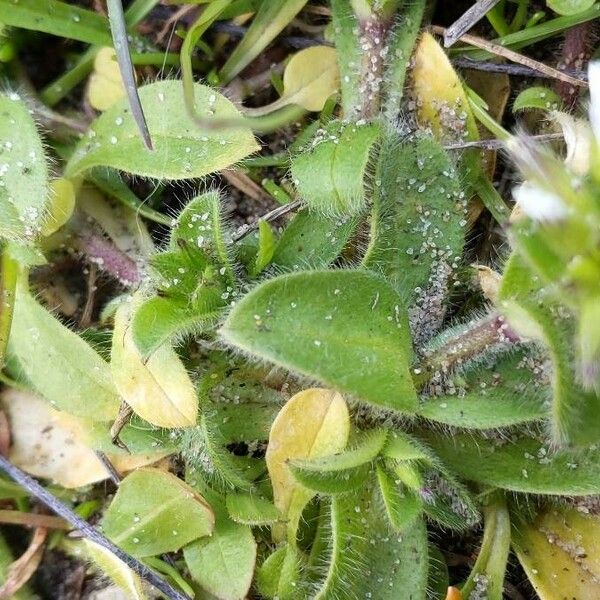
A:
471,343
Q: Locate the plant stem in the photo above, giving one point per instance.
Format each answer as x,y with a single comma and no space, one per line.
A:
491,561
90,532
16,517
9,270
471,343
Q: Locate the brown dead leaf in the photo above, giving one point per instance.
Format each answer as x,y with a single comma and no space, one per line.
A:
4,434
55,445
21,570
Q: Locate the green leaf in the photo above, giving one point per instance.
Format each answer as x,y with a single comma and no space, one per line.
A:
533,315
200,225
267,243
401,504
362,542
59,364
269,21
418,219
313,241
497,395
400,446
569,7
57,18
154,512
331,173
349,54
339,473
252,510
351,332
181,150
205,448
279,576
23,171
524,464
158,321
446,500
539,97
400,47
223,564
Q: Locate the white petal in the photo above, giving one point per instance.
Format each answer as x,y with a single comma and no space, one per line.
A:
578,138
594,81
539,204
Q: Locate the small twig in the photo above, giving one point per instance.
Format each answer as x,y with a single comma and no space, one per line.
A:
113,473
125,412
514,57
116,19
468,19
495,144
510,69
86,314
90,532
247,186
16,517
270,216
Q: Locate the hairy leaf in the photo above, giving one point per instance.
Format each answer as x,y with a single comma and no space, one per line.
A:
351,332
339,473
252,510
181,150
329,176
312,240
402,505
525,464
115,569
497,395
362,542
23,171
418,219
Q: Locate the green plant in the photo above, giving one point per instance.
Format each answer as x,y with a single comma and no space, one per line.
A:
327,389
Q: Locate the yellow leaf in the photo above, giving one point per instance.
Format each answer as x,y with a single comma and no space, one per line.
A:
62,203
310,77
441,101
55,445
158,390
312,423
560,552
105,86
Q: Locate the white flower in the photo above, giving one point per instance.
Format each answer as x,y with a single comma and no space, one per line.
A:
579,139
594,82
538,203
